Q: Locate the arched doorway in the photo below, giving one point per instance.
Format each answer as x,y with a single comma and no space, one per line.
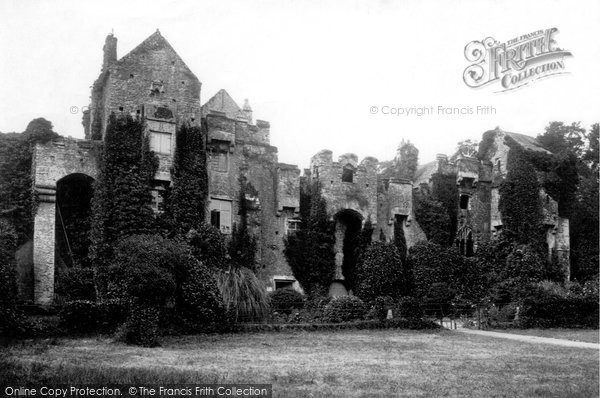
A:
72,220
348,225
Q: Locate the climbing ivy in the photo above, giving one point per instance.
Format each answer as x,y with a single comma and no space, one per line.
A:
445,191
16,153
520,203
186,202
242,247
122,193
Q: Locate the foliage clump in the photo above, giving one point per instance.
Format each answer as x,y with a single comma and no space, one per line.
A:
344,309
381,273
122,193
309,251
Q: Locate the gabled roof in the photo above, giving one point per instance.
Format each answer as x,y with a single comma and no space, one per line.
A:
222,102
153,42
526,141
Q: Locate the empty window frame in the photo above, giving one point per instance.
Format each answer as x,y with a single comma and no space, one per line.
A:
220,215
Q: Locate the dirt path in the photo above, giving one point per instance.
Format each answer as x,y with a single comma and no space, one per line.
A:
531,339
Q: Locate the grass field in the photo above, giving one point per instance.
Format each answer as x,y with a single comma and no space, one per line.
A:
319,364
585,335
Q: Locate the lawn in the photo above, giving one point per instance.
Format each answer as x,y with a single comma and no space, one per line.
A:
319,364
585,335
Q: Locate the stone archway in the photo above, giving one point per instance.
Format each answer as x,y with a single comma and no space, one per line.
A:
54,161
348,225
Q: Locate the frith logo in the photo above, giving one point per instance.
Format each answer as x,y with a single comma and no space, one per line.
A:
515,63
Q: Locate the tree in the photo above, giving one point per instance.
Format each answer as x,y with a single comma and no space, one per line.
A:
242,246
559,137
309,251
408,160
122,193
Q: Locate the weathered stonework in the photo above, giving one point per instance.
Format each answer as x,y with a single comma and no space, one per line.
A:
51,162
478,181
153,83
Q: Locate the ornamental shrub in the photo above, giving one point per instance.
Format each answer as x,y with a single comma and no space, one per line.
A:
344,309
286,300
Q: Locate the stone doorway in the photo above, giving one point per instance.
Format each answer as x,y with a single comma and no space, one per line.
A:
72,220
348,225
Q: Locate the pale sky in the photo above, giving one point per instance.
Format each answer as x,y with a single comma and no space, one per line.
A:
313,69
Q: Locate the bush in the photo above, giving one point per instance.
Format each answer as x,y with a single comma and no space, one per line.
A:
83,316
381,272
344,309
286,300
410,308
141,327
200,303
547,306
209,246
380,307
76,283
12,321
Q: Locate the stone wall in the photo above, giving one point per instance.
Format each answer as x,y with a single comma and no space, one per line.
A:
51,162
151,74
359,195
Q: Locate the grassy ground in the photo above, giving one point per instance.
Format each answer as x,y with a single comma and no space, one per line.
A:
319,364
585,335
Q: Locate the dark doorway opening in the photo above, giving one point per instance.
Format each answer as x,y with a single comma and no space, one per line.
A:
72,224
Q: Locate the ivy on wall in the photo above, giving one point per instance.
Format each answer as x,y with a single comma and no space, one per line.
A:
122,193
186,201
445,191
16,153
520,203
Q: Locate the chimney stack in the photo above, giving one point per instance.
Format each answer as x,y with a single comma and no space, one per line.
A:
110,51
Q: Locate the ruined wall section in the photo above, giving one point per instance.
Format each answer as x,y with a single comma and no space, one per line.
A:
359,195
51,162
395,199
273,188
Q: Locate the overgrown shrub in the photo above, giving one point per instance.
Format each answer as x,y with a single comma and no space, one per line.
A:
84,316
546,305
209,246
141,327
12,321
344,309
380,307
200,303
381,272
410,308
286,300
76,283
